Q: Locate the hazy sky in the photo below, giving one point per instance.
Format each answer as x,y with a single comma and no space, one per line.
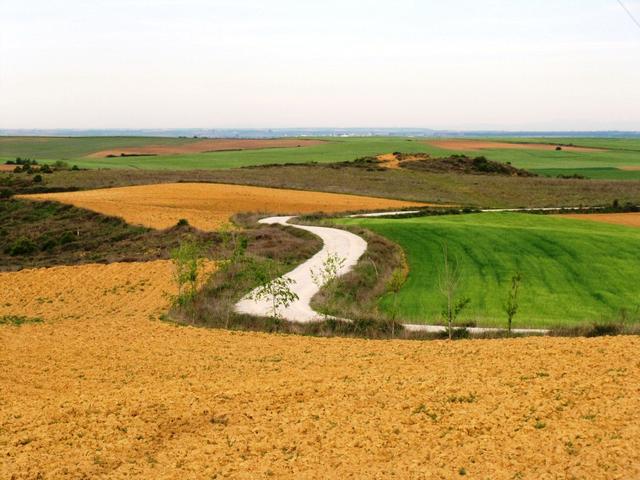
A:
460,64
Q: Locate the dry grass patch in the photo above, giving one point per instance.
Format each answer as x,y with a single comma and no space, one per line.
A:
209,205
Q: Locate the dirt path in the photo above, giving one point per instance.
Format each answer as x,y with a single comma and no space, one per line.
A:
346,245
339,242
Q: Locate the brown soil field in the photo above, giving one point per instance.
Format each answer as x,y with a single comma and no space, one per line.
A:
215,145
103,389
630,219
7,168
630,168
209,205
465,145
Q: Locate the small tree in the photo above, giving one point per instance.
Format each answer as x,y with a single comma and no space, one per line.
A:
235,246
188,261
450,277
327,274
393,287
512,304
278,292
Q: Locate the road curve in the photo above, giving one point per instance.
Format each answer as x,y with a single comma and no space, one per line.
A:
348,246
335,241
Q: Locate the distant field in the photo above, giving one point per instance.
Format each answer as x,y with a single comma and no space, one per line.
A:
401,184
77,151
615,153
574,271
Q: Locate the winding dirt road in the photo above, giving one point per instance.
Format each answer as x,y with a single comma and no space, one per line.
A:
339,242
346,245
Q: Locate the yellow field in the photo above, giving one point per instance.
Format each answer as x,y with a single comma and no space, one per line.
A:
104,389
207,205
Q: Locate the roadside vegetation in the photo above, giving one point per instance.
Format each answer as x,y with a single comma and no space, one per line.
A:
251,257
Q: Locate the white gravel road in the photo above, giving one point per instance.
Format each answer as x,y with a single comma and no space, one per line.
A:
340,242
346,245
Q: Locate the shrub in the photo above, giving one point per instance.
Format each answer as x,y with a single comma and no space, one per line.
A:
37,178
75,167
183,222
188,260
60,165
66,237
603,330
48,244
22,246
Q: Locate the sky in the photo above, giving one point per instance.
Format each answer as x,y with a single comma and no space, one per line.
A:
458,64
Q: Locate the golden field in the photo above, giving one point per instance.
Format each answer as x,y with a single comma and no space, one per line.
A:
208,205
103,389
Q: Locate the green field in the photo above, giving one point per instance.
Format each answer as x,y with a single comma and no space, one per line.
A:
573,271
620,152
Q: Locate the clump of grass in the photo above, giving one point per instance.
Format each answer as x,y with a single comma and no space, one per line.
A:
18,320
597,329
470,398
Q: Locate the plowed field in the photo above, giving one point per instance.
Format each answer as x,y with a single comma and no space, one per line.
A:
103,389
208,205
629,219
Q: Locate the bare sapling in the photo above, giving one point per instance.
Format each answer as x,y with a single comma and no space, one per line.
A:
512,304
393,287
188,261
327,274
278,293
450,277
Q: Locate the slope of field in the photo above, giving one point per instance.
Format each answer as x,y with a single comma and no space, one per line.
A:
208,206
103,389
573,271
42,234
